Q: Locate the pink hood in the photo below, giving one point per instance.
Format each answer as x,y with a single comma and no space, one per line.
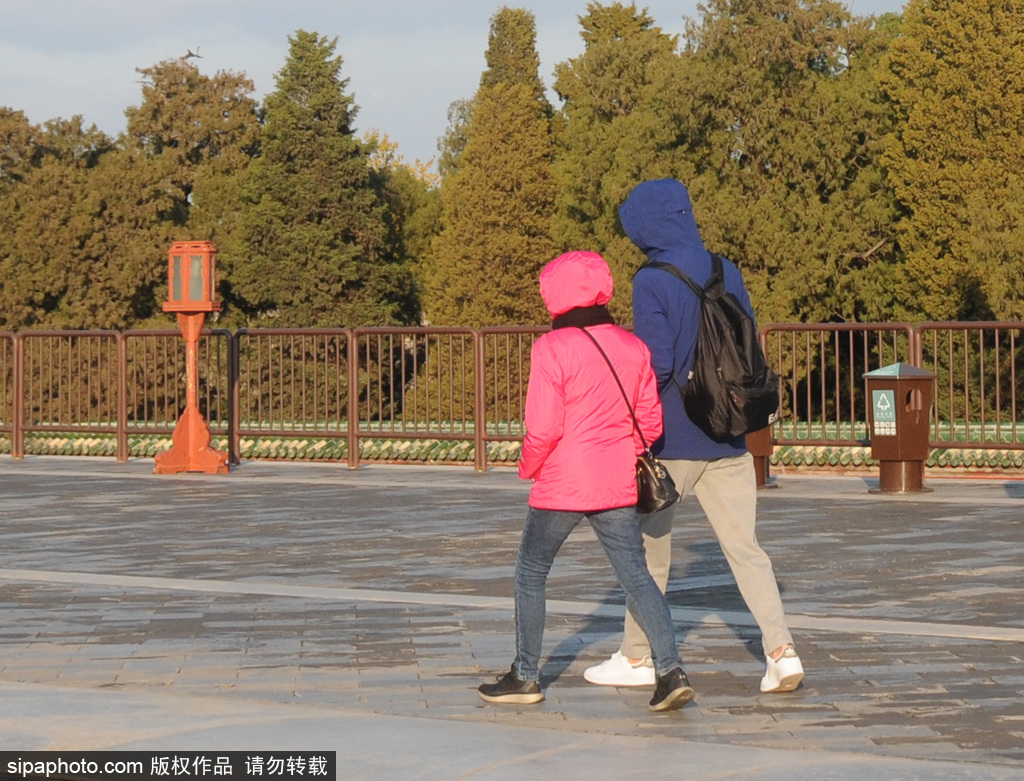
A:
575,279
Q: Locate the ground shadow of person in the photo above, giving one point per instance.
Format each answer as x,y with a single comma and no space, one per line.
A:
702,581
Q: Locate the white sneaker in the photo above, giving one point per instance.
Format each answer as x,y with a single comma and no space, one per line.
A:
783,674
619,671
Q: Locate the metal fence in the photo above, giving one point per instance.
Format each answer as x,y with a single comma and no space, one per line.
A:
979,386
821,369
465,387
977,401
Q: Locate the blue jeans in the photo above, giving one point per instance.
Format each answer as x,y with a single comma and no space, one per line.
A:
619,533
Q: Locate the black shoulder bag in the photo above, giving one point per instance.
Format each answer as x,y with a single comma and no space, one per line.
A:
655,489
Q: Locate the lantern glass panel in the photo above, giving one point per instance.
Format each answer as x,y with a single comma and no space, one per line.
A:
195,280
176,278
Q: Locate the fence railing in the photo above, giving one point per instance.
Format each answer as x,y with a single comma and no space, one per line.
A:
979,387
821,370
461,387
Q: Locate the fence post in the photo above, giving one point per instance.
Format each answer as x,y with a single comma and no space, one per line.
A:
122,397
234,398
479,403
915,347
18,422
351,338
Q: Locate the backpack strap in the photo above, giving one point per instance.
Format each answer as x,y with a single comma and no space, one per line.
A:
716,279
715,286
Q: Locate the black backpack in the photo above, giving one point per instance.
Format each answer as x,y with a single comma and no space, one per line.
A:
730,390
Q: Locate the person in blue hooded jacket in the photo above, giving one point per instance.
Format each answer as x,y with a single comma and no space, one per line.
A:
658,217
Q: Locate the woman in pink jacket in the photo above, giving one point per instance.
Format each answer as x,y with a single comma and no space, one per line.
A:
580,452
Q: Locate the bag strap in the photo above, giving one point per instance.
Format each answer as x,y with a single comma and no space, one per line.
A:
717,274
716,279
618,382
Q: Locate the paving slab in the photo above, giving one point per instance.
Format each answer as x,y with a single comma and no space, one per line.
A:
310,606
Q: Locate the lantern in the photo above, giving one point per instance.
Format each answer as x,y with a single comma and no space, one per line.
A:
191,267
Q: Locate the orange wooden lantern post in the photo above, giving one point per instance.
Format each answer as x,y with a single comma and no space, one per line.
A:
190,289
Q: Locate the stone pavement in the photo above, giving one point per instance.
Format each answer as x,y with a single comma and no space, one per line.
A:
310,607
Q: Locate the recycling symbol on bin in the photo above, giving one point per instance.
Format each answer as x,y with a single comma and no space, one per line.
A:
885,412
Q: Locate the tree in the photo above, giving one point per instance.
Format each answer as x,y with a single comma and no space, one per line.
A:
318,249
413,203
193,128
57,268
18,151
511,54
956,77
783,130
92,220
622,99
187,147
499,193
451,144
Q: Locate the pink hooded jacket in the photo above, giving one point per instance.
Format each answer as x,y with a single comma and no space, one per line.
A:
580,446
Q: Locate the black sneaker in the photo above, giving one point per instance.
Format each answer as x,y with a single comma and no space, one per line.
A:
672,691
512,690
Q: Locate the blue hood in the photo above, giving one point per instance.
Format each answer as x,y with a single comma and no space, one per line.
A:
658,217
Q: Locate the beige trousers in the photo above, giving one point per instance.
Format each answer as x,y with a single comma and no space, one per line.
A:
727,492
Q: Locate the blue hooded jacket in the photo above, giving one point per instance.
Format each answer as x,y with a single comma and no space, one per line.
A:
658,217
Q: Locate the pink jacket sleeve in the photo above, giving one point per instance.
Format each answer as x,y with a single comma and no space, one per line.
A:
545,410
647,407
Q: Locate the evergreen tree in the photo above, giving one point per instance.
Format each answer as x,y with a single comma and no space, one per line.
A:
193,128
188,145
18,151
451,144
318,249
511,54
19,157
413,203
783,130
622,99
95,220
498,200
956,78
56,263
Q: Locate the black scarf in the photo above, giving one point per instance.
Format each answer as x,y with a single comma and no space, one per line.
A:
582,316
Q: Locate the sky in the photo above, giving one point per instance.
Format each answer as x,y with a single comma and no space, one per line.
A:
406,61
